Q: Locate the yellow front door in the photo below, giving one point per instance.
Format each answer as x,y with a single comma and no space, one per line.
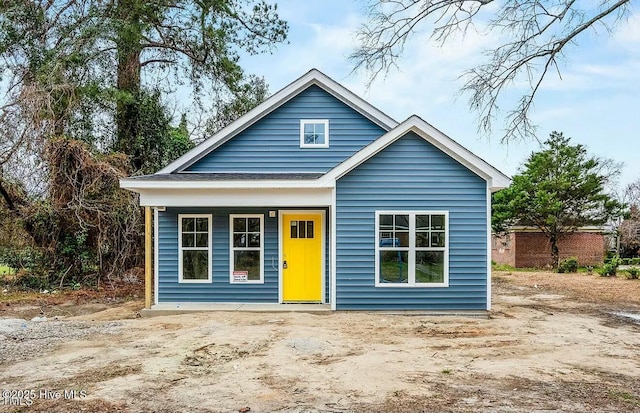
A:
302,258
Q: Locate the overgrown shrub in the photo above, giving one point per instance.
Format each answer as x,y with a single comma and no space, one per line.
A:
633,272
85,228
27,258
568,265
610,268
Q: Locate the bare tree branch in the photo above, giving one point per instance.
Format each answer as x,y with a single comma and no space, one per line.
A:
534,35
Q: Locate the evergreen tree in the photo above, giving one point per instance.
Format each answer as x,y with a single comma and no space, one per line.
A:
559,189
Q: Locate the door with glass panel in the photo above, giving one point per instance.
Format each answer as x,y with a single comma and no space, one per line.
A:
302,258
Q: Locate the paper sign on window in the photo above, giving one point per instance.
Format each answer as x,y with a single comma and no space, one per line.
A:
239,276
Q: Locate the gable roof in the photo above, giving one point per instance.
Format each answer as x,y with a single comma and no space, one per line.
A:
495,179
313,77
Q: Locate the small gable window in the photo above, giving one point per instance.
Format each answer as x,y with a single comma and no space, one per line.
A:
314,133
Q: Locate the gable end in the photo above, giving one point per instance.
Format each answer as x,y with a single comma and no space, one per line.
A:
313,77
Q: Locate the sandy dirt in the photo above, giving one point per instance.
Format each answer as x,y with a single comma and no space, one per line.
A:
551,344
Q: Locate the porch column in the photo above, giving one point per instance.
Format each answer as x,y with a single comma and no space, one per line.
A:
147,257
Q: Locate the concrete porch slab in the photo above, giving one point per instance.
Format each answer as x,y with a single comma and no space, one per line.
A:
183,308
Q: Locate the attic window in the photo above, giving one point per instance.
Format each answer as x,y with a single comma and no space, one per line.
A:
314,133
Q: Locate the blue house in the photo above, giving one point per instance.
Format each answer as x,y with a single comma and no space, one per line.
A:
316,196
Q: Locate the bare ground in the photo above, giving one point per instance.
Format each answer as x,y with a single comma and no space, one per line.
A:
552,344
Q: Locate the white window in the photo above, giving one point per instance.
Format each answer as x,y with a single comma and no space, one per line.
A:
194,248
247,247
412,248
314,133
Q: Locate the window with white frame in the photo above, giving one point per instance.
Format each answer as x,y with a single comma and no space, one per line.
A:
412,248
314,133
247,247
194,241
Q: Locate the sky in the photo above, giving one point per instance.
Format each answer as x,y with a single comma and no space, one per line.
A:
596,101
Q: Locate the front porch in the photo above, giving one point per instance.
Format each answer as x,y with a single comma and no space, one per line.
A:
164,309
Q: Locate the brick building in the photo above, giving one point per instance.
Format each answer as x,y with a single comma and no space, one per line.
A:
528,248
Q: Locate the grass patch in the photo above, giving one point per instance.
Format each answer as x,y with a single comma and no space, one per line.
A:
17,297
502,267
624,397
5,270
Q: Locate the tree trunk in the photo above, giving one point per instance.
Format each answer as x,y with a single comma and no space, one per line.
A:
128,80
555,251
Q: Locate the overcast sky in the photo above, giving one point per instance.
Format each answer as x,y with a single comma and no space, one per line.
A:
596,103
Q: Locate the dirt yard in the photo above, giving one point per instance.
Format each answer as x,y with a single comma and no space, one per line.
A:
553,343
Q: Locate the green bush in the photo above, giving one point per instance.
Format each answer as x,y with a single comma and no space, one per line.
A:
625,261
634,261
609,270
29,281
568,265
21,259
633,272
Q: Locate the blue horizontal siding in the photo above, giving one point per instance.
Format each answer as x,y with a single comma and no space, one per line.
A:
411,174
273,143
220,290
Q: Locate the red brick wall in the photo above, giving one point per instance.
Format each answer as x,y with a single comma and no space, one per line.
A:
503,249
534,250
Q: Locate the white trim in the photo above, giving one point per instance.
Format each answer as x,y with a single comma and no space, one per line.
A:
313,77
209,249
267,198
489,248
138,185
496,179
412,249
232,249
156,265
323,279
333,295
324,122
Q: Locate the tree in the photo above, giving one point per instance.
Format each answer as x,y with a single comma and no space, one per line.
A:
65,52
198,40
250,95
75,70
629,233
534,36
559,189
158,143
629,229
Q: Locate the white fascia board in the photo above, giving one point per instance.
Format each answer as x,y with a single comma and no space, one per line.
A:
278,198
314,76
138,185
495,179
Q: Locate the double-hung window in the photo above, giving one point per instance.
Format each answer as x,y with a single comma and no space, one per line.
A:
412,248
314,133
194,248
247,249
